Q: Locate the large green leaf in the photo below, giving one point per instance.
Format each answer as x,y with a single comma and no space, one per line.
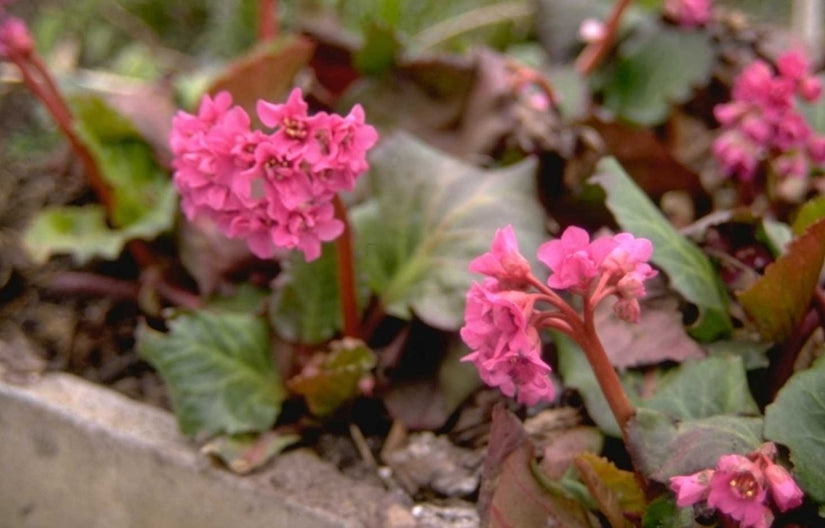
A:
145,200
656,69
662,447
219,370
616,491
689,270
700,389
693,390
778,301
430,216
797,419
305,307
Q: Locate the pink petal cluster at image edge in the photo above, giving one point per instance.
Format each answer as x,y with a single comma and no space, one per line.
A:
688,13
742,488
273,188
762,121
506,347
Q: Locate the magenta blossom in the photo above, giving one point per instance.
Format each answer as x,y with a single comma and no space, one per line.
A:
688,13
573,259
763,124
15,38
741,487
273,188
504,262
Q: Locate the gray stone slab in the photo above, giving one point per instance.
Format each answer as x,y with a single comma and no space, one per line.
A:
76,455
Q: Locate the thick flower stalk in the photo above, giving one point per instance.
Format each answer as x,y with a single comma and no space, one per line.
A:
745,488
274,188
505,312
763,124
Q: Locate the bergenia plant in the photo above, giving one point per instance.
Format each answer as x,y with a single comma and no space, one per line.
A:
508,309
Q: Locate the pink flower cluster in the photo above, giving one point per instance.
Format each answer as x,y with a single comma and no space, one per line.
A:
275,188
501,318
618,264
742,487
688,13
15,39
762,122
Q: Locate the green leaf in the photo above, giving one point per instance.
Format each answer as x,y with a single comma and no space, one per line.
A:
305,307
80,231
143,192
778,301
333,380
380,48
695,389
219,370
245,453
663,513
797,419
689,270
145,200
662,447
430,216
810,213
616,491
656,69
701,389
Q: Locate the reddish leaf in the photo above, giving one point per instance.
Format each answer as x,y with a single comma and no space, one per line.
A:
616,491
265,73
658,336
777,302
510,496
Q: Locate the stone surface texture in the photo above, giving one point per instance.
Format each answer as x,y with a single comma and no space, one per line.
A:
75,455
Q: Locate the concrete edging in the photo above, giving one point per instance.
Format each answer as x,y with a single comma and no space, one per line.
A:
77,455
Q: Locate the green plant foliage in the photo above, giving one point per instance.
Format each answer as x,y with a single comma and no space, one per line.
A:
305,307
797,419
656,69
334,380
79,231
381,45
701,389
690,272
219,370
662,512
145,200
692,390
430,215
777,302
616,491
810,213
663,447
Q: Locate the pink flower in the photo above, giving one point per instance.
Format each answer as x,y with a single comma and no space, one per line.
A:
506,347
741,487
738,489
273,189
688,13
572,258
784,491
692,488
504,262
15,39
592,30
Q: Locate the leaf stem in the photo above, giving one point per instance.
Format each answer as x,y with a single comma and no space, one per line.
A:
346,273
595,52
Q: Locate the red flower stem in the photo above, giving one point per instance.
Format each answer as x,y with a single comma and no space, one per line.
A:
346,273
595,52
608,380
551,297
58,109
267,20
